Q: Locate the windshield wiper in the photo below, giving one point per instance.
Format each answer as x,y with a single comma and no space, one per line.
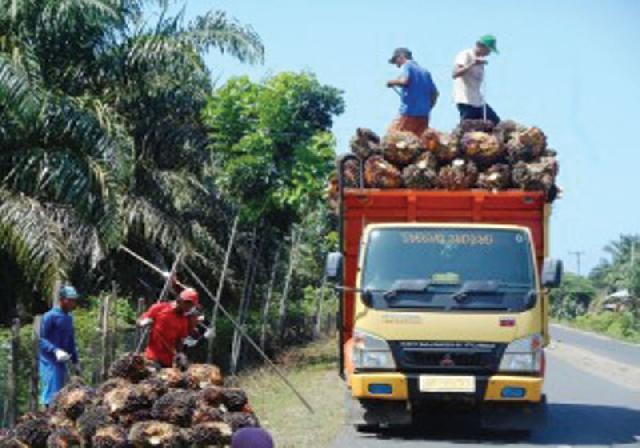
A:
410,285
479,308
475,287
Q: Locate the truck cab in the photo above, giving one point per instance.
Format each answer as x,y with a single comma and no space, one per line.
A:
444,305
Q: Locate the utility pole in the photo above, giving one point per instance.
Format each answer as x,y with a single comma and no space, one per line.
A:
578,254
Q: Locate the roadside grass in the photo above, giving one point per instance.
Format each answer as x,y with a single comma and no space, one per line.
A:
620,326
313,370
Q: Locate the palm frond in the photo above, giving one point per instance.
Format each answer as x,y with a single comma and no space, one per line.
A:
216,30
146,222
32,240
16,92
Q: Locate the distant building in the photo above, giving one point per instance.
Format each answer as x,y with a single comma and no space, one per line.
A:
618,301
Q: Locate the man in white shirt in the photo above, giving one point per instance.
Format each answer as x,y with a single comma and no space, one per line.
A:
468,75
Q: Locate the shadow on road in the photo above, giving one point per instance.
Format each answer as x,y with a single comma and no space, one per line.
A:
569,424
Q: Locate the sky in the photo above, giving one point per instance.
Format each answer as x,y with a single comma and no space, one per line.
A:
571,67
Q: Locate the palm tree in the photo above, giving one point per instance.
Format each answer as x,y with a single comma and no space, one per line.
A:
101,138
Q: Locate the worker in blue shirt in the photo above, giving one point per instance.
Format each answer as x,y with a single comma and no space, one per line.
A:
57,345
418,94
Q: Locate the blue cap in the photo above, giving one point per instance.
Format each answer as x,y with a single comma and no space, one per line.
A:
68,292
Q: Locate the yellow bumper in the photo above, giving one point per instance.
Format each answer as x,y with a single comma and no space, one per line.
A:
360,385
399,383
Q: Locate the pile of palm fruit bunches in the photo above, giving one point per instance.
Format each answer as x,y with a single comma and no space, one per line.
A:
139,406
476,155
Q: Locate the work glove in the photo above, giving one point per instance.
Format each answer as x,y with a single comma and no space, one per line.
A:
209,333
62,356
145,321
190,342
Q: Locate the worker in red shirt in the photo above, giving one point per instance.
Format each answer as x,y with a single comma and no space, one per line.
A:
171,323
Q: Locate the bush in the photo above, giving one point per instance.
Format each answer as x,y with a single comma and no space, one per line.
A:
623,325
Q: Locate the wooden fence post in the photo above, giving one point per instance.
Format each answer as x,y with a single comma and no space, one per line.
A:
35,364
114,334
282,310
223,274
104,361
11,399
267,302
142,305
317,324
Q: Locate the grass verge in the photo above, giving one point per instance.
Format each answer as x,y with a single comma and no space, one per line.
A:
622,326
313,371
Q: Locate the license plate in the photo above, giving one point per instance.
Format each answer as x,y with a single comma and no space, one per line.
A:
435,383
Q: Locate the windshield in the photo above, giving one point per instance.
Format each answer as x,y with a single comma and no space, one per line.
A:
452,262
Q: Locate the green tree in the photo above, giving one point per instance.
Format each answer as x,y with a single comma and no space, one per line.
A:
101,135
573,296
271,142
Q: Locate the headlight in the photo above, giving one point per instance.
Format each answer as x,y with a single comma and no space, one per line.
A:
370,352
523,355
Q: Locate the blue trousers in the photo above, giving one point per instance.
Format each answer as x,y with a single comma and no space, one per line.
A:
53,375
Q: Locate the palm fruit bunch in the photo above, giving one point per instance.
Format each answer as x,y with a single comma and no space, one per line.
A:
131,366
175,407
460,175
32,432
422,173
64,438
110,436
365,143
443,146
476,155
72,400
538,176
481,147
124,400
496,177
92,419
154,433
401,148
139,407
210,434
173,377
351,173
201,376
379,173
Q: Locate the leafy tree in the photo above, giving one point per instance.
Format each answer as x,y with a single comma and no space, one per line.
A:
616,273
573,296
271,142
101,135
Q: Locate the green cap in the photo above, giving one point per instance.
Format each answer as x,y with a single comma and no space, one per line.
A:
489,41
68,292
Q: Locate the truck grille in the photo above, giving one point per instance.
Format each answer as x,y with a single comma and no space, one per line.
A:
459,357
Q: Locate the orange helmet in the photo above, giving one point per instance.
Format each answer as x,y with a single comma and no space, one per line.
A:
190,294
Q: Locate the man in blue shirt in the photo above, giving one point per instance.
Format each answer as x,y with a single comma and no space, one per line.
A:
418,95
57,345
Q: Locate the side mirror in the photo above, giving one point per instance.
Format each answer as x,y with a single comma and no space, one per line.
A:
551,273
333,269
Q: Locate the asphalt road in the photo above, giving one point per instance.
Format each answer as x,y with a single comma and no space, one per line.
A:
585,410
602,345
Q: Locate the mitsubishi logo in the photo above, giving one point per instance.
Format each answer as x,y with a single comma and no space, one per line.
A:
446,361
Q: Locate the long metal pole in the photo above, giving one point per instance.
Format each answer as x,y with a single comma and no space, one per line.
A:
233,322
165,288
251,341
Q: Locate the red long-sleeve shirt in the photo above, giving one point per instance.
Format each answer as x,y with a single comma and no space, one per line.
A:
168,330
